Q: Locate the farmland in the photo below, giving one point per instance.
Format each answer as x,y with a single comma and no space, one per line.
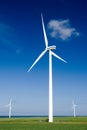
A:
60,123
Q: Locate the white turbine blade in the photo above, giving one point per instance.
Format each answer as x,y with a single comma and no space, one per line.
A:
72,104
37,59
58,57
45,37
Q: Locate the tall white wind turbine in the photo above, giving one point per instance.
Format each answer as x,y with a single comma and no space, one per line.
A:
10,107
51,53
74,108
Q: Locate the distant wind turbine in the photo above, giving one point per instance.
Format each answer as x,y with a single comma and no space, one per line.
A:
74,108
51,53
10,107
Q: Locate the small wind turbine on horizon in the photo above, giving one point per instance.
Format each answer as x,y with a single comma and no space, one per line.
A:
10,107
74,108
51,53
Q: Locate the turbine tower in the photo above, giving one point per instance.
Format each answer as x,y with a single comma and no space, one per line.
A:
10,107
51,53
74,108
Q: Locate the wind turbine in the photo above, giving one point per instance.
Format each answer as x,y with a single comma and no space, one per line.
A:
10,107
51,53
74,108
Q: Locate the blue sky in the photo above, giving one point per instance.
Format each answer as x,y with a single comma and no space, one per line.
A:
21,42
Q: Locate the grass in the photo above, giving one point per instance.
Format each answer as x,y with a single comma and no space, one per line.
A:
60,123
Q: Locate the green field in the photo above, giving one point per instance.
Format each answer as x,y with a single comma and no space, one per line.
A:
60,123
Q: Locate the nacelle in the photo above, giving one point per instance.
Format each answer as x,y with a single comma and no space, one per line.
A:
51,47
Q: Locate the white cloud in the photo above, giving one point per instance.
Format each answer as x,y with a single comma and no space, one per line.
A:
62,29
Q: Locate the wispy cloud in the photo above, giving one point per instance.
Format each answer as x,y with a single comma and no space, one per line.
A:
18,51
7,38
62,29
5,34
